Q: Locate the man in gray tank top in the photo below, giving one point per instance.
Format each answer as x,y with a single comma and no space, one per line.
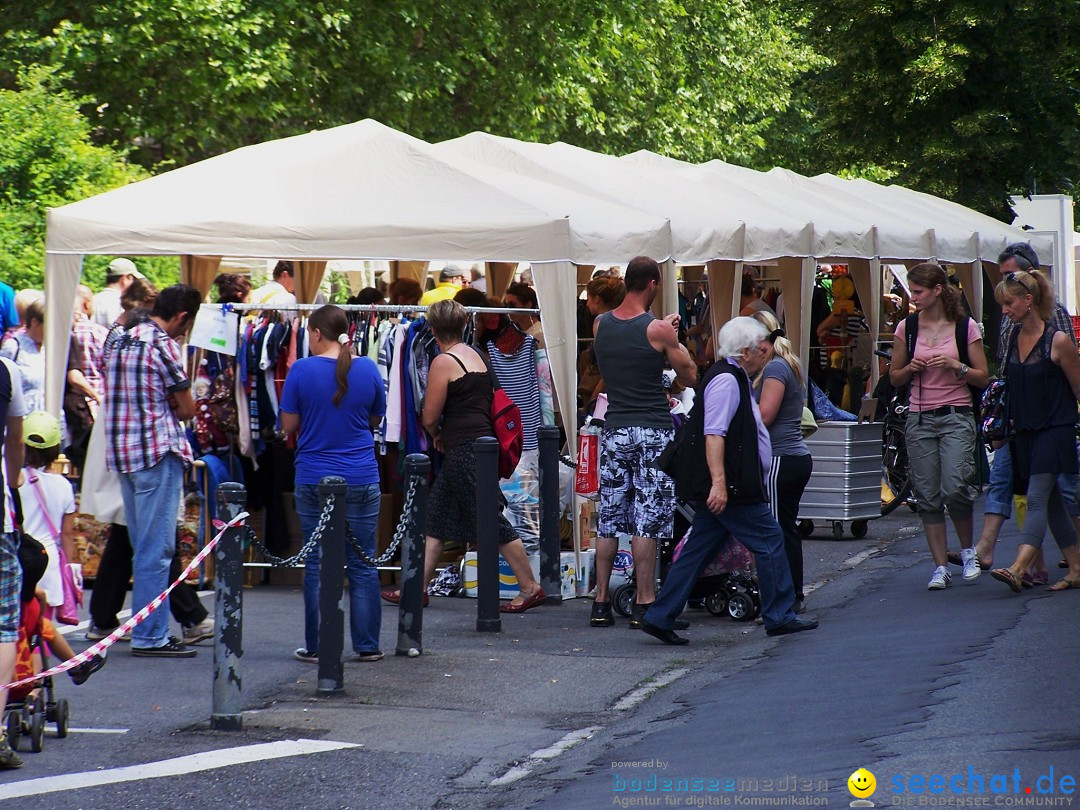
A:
632,349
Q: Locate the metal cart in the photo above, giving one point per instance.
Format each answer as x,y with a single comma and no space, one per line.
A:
845,486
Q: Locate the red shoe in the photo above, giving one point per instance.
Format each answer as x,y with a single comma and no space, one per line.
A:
530,602
394,598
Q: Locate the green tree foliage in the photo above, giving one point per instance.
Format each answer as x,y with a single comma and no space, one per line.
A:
47,160
971,100
185,79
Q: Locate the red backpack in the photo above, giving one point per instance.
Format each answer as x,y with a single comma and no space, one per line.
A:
506,417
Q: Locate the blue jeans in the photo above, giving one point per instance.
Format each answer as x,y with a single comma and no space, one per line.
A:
758,530
365,607
151,505
999,494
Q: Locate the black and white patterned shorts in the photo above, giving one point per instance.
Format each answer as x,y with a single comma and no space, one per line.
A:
451,506
636,498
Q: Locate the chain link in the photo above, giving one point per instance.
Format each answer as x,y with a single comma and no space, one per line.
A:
301,555
399,532
567,462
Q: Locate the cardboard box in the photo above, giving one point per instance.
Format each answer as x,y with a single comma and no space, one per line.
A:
575,582
624,562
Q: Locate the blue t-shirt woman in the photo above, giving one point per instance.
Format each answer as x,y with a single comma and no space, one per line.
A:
333,399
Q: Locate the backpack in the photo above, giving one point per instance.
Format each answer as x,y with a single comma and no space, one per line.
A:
506,417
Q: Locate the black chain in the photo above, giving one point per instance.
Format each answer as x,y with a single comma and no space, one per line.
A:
568,462
301,555
399,533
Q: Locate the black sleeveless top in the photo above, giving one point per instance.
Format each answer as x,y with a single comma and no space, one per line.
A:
633,373
467,412
1043,410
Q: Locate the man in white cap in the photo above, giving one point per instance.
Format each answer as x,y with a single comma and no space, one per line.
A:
451,280
118,278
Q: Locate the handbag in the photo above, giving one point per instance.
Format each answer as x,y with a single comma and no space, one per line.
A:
808,425
996,424
68,612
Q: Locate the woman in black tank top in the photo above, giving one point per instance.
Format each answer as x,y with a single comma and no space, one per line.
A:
457,411
1043,373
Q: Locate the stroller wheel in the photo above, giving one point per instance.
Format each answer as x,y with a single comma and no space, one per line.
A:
623,599
63,715
716,603
740,607
37,729
14,727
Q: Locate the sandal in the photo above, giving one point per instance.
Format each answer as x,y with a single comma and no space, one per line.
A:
394,598
1040,578
1064,584
1009,578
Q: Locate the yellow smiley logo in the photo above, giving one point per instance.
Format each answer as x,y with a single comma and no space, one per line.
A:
861,783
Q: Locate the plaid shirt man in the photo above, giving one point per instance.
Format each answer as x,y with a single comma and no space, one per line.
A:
87,344
141,371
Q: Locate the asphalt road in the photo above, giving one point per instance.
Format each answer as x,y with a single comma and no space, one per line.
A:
897,680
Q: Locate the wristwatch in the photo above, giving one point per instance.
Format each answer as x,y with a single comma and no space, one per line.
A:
964,369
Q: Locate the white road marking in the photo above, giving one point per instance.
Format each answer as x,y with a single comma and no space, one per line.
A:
636,696
628,701
178,766
565,744
98,730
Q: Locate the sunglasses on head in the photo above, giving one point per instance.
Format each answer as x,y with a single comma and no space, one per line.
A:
1016,253
1013,277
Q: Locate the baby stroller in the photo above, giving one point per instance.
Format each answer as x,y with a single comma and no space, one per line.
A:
725,586
32,705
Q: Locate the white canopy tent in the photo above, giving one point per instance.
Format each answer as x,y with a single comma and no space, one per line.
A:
357,191
708,225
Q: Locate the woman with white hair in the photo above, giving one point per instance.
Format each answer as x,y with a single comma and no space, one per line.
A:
781,395
719,465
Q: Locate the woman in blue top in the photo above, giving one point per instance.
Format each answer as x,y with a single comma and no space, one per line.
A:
334,399
781,395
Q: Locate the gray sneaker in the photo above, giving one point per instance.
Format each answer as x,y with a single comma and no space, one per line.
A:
199,632
8,758
95,633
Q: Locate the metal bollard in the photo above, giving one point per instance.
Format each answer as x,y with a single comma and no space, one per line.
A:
488,618
228,612
550,547
410,609
332,590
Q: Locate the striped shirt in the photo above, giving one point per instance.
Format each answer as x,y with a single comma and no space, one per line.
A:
87,345
517,376
142,369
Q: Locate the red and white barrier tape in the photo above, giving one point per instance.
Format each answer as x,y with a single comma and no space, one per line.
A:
138,618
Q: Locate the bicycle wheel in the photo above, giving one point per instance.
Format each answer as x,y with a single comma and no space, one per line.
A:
895,473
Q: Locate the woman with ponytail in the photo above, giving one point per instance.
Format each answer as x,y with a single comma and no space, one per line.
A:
781,395
940,429
334,399
1043,374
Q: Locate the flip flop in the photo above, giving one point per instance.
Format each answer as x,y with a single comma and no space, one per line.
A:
1064,584
1007,576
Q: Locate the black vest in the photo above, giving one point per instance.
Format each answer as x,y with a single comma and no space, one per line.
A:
742,466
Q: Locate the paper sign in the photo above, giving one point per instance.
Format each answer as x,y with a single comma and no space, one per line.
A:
215,330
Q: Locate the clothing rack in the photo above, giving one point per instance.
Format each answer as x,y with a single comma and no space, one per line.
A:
394,309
